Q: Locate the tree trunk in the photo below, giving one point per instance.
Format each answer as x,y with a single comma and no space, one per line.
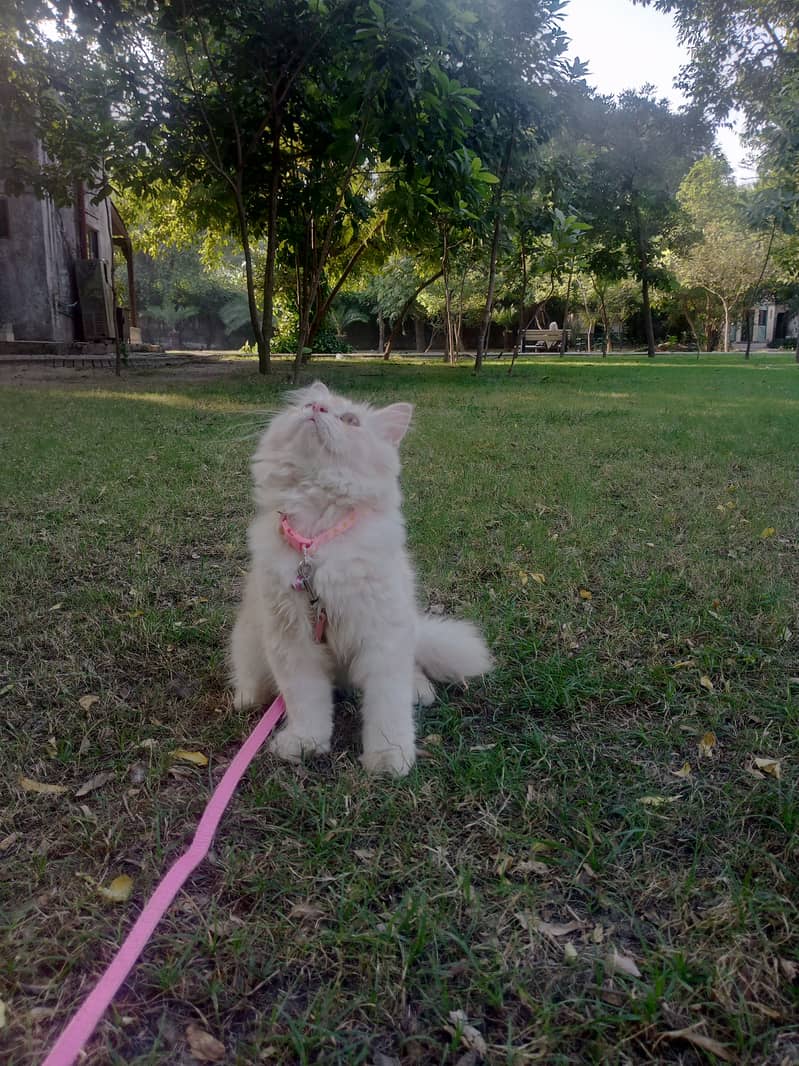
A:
566,309
726,335
407,306
797,348
449,336
418,326
265,366
756,291
255,321
381,336
650,331
522,300
485,327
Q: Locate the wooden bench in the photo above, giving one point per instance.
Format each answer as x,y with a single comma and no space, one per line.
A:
542,340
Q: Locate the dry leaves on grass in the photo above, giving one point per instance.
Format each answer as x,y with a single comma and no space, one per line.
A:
306,912
769,766
202,1046
8,841
706,1043
618,963
684,771
706,744
95,782
2,1014
768,532
585,594
41,787
119,890
657,801
555,929
87,702
706,683
471,1037
195,757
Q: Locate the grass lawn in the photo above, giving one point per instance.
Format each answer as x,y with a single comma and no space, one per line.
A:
588,860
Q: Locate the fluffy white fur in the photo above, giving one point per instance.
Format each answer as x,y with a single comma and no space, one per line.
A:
315,466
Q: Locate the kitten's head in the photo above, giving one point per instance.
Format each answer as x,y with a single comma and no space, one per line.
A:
327,442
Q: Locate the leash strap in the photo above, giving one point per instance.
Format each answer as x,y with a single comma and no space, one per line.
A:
74,1037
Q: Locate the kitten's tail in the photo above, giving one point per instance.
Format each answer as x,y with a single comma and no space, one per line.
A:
449,649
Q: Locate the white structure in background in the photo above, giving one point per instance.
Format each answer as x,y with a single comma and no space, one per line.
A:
770,323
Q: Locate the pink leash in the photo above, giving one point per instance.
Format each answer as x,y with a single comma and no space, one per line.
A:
74,1037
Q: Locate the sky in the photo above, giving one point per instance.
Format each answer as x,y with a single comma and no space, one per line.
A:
627,46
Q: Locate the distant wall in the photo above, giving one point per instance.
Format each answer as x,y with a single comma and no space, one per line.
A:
37,284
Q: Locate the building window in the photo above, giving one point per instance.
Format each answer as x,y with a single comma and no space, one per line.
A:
94,243
5,228
761,317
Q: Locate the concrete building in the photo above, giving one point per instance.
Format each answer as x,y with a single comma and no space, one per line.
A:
770,323
55,267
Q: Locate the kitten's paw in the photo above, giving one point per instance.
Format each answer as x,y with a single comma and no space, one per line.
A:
292,746
424,694
244,698
397,761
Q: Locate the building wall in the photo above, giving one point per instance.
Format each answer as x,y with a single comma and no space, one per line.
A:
38,296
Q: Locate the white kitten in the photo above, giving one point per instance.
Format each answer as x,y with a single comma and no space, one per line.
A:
327,467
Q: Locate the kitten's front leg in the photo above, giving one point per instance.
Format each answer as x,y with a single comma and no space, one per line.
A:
308,691
386,678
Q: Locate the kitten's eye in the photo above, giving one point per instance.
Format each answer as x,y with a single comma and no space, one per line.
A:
350,418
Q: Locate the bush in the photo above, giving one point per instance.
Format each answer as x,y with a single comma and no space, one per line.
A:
326,342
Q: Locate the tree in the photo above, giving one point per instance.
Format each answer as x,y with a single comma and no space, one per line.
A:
635,153
745,54
721,262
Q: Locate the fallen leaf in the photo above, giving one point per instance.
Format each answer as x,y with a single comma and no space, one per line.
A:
539,579
119,890
203,1046
148,743
788,969
2,1014
706,683
684,771
585,594
769,531
95,782
523,577
618,963
379,1059
531,866
597,934
683,663
699,1040
39,786
471,1037
87,702
569,952
432,739
306,912
56,607
195,757
656,801
7,841
707,743
365,854
554,929
769,766
40,1014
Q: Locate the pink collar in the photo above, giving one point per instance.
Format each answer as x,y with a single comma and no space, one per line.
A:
308,545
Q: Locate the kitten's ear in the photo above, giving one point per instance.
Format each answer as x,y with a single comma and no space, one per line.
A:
308,393
393,421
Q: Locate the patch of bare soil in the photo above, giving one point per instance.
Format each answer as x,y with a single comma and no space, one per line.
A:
142,368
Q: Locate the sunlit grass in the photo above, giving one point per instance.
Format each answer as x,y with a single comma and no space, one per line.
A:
607,522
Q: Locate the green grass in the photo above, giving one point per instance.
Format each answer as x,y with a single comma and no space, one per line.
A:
648,484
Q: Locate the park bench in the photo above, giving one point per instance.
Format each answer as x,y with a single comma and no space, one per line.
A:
542,340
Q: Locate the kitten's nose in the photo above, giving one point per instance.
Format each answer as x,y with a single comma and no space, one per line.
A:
318,408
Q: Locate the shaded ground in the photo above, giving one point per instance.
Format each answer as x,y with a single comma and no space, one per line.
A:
627,534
